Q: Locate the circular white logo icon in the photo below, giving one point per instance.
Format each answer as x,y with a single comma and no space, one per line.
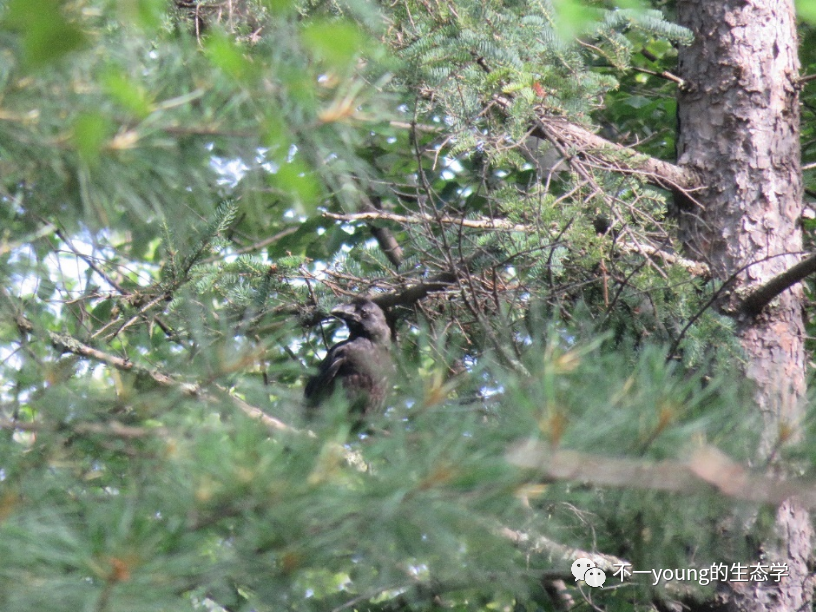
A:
580,566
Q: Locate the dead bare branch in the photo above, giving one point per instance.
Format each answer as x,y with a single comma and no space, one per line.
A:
708,469
619,158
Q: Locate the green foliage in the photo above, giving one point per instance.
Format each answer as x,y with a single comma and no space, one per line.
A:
487,49
193,506
806,10
47,30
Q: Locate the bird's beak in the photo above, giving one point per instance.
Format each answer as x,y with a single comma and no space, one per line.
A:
345,312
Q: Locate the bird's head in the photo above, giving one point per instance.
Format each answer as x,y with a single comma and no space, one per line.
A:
364,319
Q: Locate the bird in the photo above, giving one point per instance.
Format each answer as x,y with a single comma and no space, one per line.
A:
361,365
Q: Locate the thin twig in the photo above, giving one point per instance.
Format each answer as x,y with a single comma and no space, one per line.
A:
256,246
91,263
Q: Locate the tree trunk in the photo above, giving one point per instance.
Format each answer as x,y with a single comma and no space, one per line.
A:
739,130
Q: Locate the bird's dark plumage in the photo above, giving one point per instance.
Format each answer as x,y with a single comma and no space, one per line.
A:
361,365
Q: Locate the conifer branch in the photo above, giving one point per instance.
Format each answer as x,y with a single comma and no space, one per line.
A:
69,344
46,230
114,429
707,468
420,218
255,246
91,263
544,545
619,158
384,236
412,294
694,267
162,297
756,301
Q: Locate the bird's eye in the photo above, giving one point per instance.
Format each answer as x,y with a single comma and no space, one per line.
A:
364,314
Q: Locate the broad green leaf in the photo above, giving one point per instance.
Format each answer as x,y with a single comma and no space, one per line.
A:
91,131
806,9
229,57
337,43
573,16
279,7
47,34
145,13
127,93
300,183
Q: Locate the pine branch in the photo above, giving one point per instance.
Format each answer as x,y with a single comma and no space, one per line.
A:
620,158
657,172
113,429
162,297
69,344
756,301
542,545
384,237
707,468
663,73
418,218
91,264
255,246
407,296
418,127
46,230
694,267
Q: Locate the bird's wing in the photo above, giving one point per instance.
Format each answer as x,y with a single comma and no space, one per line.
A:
322,383
365,373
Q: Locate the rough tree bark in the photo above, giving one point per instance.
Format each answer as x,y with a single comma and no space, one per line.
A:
739,131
